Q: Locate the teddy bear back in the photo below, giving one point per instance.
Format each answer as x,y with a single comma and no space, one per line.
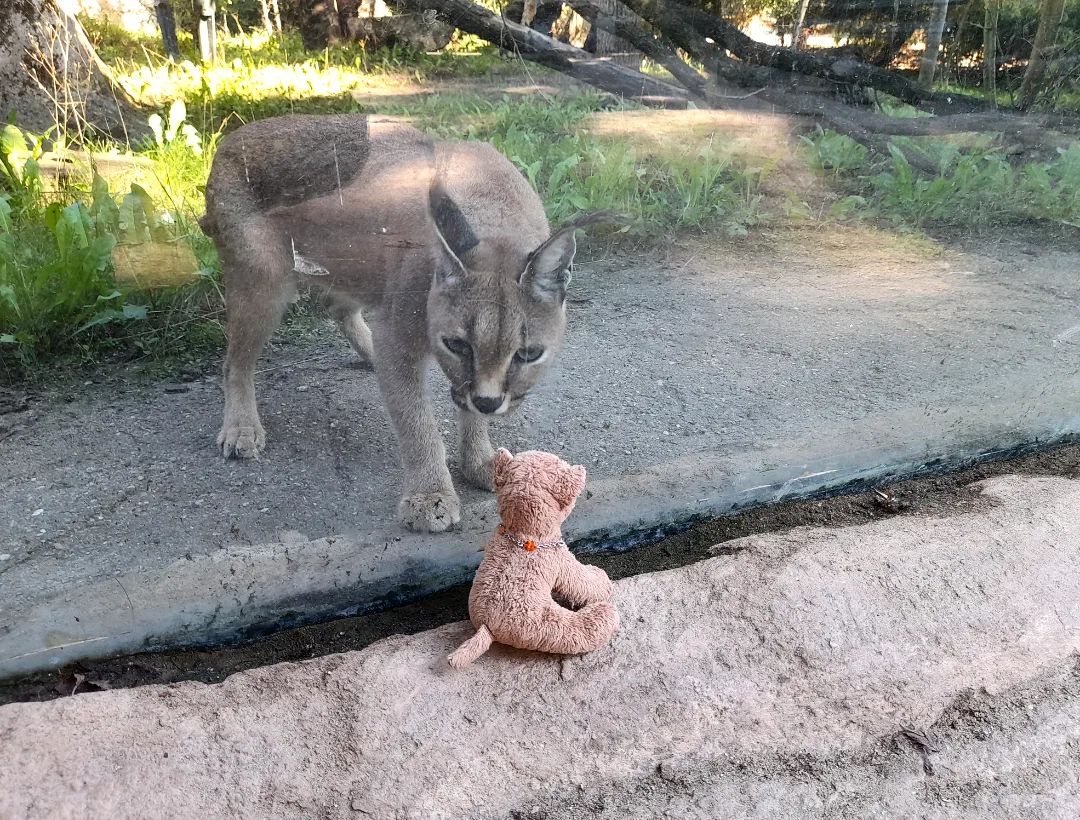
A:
536,491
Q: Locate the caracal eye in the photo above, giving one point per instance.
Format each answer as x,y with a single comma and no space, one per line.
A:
459,347
527,355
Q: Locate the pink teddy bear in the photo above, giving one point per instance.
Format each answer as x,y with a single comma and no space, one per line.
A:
527,561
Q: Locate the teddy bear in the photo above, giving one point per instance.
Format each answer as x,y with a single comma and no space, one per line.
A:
527,561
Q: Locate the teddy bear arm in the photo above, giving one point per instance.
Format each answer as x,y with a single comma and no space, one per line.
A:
580,584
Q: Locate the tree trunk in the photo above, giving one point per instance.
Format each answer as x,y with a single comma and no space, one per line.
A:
264,8
207,31
166,20
956,50
936,27
50,76
797,29
532,45
608,44
990,39
1049,19
683,25
633,30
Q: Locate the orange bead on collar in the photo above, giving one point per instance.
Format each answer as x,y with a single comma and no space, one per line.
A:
528,544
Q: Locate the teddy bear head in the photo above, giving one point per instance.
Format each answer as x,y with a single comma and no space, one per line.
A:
536,491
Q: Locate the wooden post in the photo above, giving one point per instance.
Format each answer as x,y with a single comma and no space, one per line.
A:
207,31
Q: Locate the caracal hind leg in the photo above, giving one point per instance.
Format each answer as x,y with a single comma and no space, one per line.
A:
351,322
429,502
258,288
475,451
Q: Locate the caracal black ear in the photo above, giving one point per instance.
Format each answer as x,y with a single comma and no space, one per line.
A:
547,274
453,230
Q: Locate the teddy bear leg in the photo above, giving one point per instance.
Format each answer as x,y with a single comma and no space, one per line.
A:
579,584
571,633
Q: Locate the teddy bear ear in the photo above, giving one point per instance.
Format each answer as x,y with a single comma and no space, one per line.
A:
501,464
578,472
570,485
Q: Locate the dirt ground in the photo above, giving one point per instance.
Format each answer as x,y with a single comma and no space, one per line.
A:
930,495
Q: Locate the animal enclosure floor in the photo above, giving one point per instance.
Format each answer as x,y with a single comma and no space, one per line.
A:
711,376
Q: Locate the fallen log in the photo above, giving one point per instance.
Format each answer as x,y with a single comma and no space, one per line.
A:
670,17
539,48
810,96
632,29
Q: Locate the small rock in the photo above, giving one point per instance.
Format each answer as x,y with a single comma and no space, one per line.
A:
359,803
670,771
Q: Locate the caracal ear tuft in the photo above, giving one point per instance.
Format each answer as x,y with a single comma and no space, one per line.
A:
547,274
453,230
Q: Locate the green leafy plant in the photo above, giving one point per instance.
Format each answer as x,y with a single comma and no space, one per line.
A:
973,187
834,153
57,291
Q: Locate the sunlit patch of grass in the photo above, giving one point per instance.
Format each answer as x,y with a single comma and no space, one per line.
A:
257,76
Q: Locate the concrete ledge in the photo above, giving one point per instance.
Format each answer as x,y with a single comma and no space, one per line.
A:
812,642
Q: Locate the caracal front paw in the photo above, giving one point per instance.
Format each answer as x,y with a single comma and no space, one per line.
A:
432,511
244,439
478,469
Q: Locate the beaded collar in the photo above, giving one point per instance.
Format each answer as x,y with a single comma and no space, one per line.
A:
528,544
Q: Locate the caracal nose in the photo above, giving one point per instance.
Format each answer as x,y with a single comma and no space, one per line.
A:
487,404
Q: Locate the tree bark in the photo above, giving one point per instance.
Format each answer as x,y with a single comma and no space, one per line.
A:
166,20
867,128
207,31
956,52
534,46
608,43
264,8
51,77
1032,131
632,30
797,29
845,71
990,38
934,31
1049,19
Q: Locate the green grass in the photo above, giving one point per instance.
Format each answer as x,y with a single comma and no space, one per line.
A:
576,172
975,187
59,298
1064,100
